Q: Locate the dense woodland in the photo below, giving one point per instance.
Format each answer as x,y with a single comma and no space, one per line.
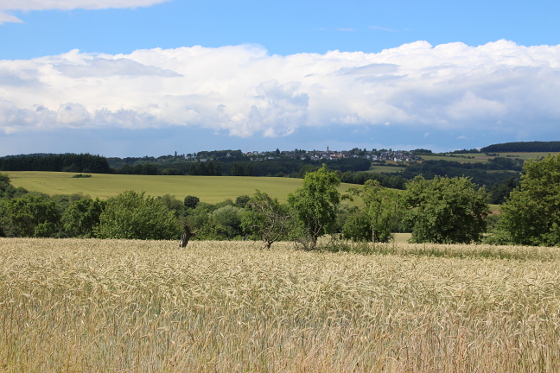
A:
56,162
524,147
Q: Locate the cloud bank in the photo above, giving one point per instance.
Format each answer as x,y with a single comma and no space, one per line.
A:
244,91
28,5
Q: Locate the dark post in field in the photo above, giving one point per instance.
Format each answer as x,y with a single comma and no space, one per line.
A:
187,234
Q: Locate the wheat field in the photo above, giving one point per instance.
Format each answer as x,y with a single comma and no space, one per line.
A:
145,306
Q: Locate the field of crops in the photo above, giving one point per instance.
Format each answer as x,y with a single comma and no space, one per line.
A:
211,189
146,306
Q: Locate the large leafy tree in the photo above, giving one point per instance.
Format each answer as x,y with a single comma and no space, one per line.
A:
531,215
225,222
33,216
446,210
81,218
316,203
379,215
137,216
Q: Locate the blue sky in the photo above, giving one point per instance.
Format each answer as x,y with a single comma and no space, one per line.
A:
150,77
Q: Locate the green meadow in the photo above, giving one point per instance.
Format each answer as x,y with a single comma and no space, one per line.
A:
481,157
211,189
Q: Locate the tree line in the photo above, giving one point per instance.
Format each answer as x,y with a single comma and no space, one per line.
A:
439,210
56,163
524,147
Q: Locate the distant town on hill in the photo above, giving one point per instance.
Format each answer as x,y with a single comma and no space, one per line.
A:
490,166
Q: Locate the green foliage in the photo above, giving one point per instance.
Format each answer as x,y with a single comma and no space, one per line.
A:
531,216
199,220
242,201
64,201
316,204
4,221
357,227
533,146
266,219
173,204
191,201
216,222
226,222
82,217
33,216
379,215
56,162
7,190
206,168
501,191
490,173
132,215
445,210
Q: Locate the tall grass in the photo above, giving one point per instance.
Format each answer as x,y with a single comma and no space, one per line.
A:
138,306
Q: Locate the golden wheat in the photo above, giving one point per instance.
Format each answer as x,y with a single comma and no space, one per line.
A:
146,306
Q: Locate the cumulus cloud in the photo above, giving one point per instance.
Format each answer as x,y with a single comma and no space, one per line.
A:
244,91
28,5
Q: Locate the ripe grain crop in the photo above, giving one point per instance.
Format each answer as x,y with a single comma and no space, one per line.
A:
145,306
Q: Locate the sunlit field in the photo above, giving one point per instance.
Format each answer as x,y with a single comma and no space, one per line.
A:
146,306
211,189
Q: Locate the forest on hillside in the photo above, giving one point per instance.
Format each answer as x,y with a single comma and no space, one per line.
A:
523,147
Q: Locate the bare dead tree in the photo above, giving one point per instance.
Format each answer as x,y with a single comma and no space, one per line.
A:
187,234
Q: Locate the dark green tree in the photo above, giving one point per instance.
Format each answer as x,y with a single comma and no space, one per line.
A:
316,204
82,217
133,215
33,216
226,222
7,190
379,216
191,201
4,220
173,204
531,215
237,170
445,210
241,201
198,219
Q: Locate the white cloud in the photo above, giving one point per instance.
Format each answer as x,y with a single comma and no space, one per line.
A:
8,18
28,5
74,4
382,28
244,91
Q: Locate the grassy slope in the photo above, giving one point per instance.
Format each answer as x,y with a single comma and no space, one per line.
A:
211,189
481,157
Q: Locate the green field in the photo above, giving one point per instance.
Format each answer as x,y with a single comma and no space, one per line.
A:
210,189
461,158
385,169
481,157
